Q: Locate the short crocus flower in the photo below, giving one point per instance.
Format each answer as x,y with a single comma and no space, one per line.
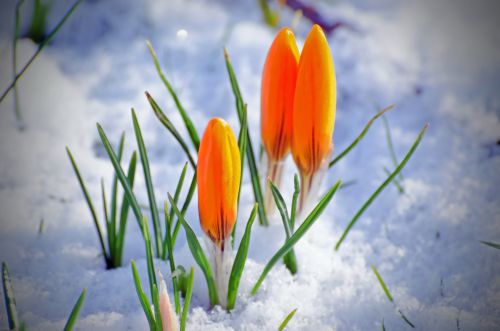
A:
168,316
313,111
277,94
219,173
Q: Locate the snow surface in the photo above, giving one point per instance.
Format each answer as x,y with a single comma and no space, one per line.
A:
438,61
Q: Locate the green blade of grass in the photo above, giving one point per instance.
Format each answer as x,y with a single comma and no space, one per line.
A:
171,128
395,181
149,184
360,136
41,46
242,145
149,256
270,17
299,233
405,319
382,283
193,134
169,247
125,207
383,325
198,255
381,187
239,262
491,244
296,191
146,306
17,28
109,231
252,166
75,311
178,189
10,301
121,176
90,204
156,305
289,259
287,319
187,300
391,146
185,206
114,197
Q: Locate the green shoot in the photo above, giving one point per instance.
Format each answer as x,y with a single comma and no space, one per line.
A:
382,283
388,137
169,247
242,145
239,262
171,128
10,301
187,300
17,28
405,319
41,46
270,17
381,187
198,255
193,134
254,173
146,306
395,181
491,244
149,184
287,319
360,136
38,27
75,311
303,228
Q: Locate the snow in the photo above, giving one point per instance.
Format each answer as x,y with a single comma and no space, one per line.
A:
438,61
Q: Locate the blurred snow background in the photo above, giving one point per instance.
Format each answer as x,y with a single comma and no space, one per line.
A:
438,61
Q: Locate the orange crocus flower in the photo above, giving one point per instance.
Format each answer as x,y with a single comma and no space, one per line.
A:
314,107
277,92
219,172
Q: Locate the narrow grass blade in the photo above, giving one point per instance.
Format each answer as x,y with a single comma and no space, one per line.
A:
252,166
109,231
198,255
185,206
193,134
114,202
146,306
149,256
491,244
156,305
239,262
302,229
360,136
168,246
289,259
171,128
10,301
121,176
405,319
381,187
187,300
178,189
17,28
41,46
90,204
388,137
382,283
383,325
149,184
296,191
242,145
287,319
270,17
75,312
125,207
395,181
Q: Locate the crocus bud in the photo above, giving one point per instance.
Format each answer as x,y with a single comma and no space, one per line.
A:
168,316
219,172
277,93
314,109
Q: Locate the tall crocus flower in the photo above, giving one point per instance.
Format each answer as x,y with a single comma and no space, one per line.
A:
313,111
277,93
219,173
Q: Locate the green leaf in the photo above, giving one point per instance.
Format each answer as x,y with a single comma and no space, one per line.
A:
90,204
171,128
156,304
383,325
75,312
252,166
114,197
185,206
149,256
198,255
405,318
146,306
287,319
17,29
168,246
242,146
187,300
395,181
239,262
193,134
295,197
10,301
360,136
125,207
303,228
491,244
381,187
391,146
149,184
382,283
